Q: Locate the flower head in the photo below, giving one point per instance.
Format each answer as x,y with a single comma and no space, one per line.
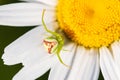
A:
91,37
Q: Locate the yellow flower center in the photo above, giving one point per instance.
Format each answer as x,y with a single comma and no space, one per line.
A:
91,23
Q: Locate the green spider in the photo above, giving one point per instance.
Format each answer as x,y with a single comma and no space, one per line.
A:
54,43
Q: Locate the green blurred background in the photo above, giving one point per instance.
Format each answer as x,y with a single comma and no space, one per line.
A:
8,35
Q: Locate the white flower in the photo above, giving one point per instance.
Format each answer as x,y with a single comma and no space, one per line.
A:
29,49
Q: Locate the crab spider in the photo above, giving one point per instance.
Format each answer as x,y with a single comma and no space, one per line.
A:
54,43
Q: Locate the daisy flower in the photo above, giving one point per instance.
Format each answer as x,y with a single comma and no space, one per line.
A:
91,31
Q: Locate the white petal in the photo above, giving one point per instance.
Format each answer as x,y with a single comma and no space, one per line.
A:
36,56
16,51
59,71
108,66
116,52
85,65
49,2
25,14
34,71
